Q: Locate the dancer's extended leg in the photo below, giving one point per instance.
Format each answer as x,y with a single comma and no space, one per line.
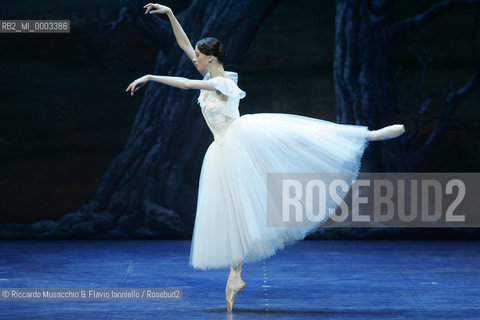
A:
385,133
234,285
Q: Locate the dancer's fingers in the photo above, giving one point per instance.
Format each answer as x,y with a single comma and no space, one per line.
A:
130,88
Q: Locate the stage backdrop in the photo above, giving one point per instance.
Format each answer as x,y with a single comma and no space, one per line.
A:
66,121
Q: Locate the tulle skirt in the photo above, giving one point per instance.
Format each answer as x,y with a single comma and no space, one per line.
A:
231,219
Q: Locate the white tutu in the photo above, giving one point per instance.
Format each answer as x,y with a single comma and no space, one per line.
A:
231,218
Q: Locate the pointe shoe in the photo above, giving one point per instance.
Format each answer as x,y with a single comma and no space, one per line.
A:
233,287
385,133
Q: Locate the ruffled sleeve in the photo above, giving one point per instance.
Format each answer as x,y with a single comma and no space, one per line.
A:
228,87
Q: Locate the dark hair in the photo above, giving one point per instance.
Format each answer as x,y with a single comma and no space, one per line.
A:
212,47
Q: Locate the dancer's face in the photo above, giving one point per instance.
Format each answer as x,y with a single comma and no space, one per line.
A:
201,60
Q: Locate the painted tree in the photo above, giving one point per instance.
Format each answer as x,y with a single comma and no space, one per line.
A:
364,79
149,189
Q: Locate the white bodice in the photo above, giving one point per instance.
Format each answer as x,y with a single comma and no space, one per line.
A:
219,114
213,111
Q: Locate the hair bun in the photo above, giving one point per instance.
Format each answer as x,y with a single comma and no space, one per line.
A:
221,51
212,46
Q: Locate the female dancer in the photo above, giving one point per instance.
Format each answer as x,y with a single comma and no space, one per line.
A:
230,224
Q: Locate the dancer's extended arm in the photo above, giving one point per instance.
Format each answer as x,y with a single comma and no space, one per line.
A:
180,35
179,82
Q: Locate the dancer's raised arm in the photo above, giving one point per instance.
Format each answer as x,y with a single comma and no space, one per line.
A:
180,35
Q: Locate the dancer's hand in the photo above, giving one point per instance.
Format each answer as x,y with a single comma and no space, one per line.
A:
156,8
135,85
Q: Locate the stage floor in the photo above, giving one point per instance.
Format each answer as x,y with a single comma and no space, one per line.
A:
309,280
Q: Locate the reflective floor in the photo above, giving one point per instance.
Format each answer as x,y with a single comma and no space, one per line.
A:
309,280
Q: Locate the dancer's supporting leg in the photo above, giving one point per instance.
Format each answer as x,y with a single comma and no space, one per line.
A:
385,133
234,285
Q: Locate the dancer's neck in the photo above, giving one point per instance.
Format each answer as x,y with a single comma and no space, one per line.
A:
217,71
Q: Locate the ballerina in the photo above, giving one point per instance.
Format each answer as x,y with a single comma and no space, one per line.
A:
230,224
